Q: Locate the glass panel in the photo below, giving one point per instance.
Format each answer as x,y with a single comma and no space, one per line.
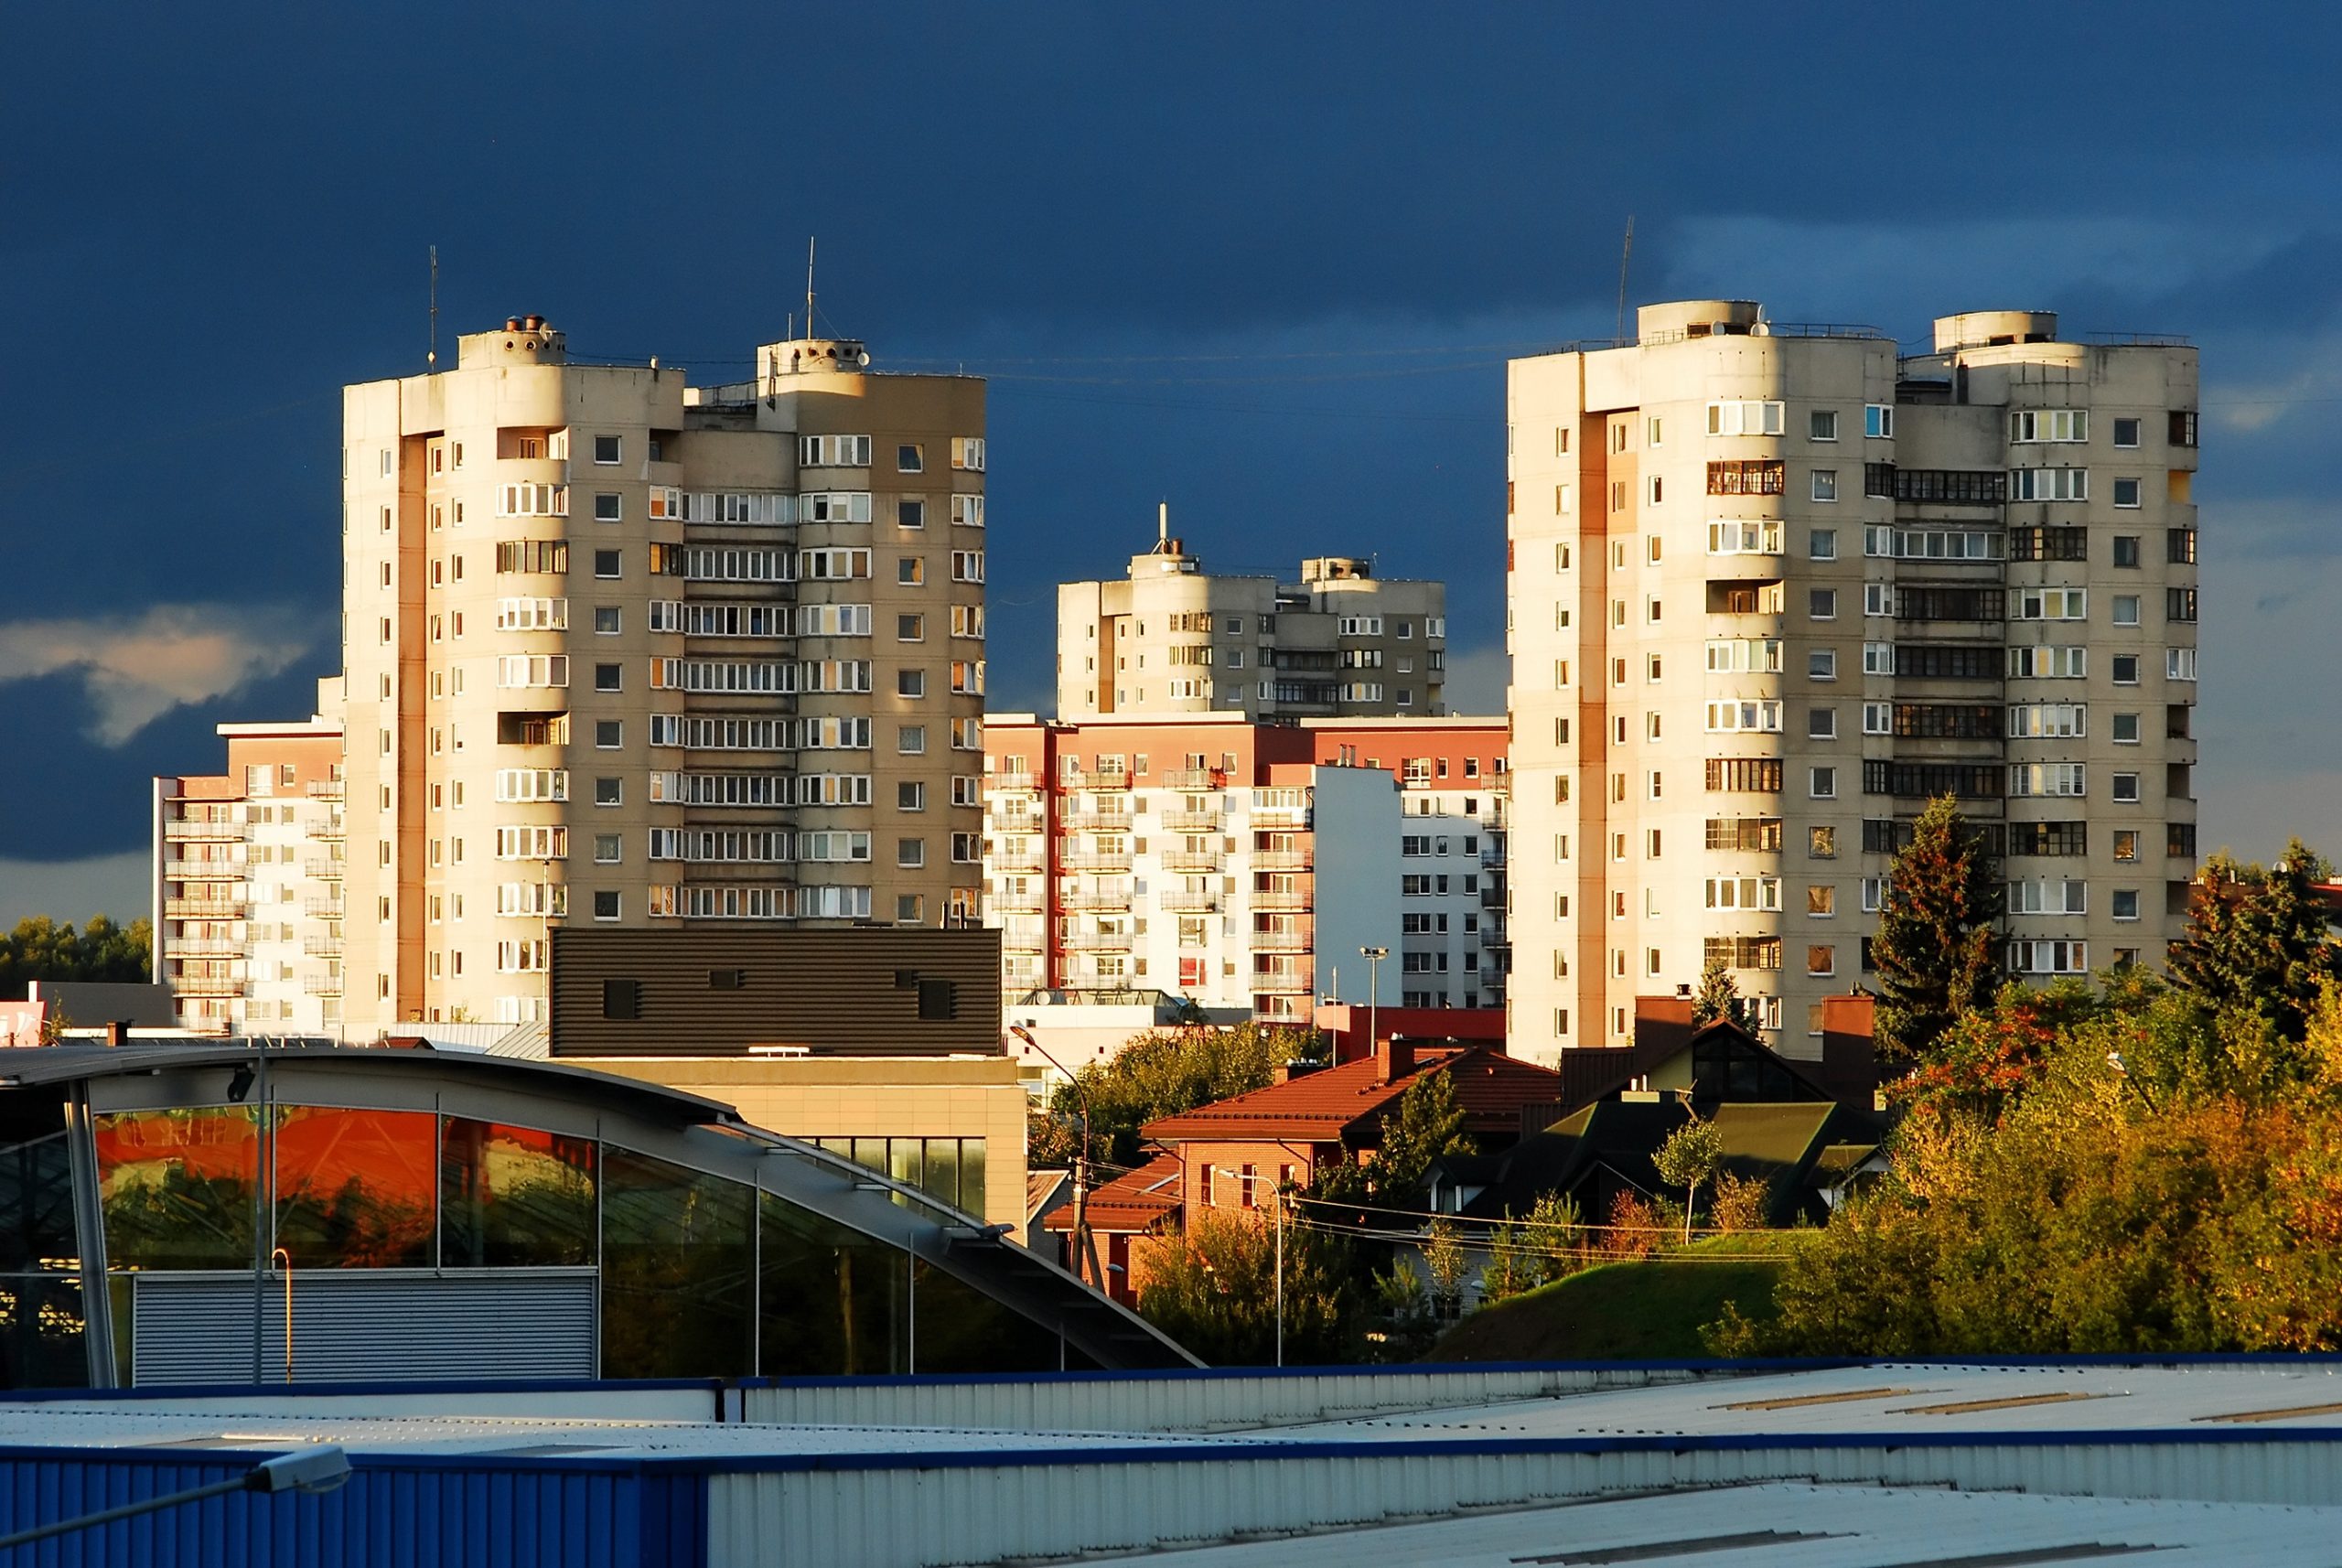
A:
960,1329
513,1197
355,1188
178,1188
677,1256
940,1178
971,1177
833,1301
35,1184
871,1152
903,1160
40,1333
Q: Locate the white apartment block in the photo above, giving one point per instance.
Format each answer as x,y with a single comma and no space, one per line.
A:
1246,865
248,878
1172,639
626,650
1773,587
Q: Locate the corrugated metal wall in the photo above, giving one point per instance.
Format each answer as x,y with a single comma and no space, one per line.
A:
828,990
1203,1402
354,1325
397,1515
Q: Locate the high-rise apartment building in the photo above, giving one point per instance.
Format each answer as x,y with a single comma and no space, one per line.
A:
624,650
1245,865
248,878
1172,639
1773,587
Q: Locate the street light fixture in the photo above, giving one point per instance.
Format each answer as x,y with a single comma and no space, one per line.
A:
1084,1244
1279,1189
320,1469
1374,957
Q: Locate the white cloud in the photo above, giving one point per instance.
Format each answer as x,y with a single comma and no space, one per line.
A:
115,885
139,667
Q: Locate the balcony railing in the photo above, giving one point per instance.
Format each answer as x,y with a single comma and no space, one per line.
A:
210,985
1095,860
1282,899
1020,898
1494,936
1187,901
1098,781
1020,822
325,788
1286,981
1491,896
1017,939
1019,859
1194,778
1191,860
203,870
1014,781
1283,860
191,830
206,908
1095,899
1206,820
322,908
321,947
321,985
1097,941
325,867
1280,816
173,947
1091,820
1300,939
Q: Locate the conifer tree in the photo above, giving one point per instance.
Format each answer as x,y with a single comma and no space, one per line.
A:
2259,938
1934,951
1717,997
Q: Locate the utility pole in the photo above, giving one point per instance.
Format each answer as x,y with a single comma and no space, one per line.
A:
1237,1177
1085,1246
1374,957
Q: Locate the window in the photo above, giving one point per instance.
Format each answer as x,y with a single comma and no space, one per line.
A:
910,682
1822,544
1878,421
2126,903
968,453
1821,664
1746,536
2179,546
1759,893
1744,419
605,904
610,792
2126,669
910,458
1821,425
609,735
606,448
1822,784
605,563
2178,664
608,848
2066,896
2049,604
967,565
1822,724
2048,484
2179,604
1727,717
2126,609
2056,957
910,514
911,740
911,852
2038,425
608,678
910,571
1821,842
2126,493
2064,778
2126,433
1825,484
2126,787
1821,604
2182,431
1878,598
608,508
1822,960
2126,550
1878,718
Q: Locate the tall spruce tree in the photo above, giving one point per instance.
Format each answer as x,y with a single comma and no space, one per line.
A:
2258,939
1718,996
1934,951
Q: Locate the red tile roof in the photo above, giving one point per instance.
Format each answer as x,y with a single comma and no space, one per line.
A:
1133,1201
1344,1104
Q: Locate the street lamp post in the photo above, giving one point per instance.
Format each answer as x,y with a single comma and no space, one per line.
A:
1374,957
1085,1246
1280,1254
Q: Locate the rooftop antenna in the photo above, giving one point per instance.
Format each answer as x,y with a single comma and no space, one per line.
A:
809,285
1626,254
431,359
1162,527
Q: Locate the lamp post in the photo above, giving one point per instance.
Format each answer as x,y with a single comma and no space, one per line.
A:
1084,1244
1280,1254
1374,957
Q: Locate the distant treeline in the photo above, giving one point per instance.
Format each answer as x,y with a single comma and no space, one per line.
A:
43,949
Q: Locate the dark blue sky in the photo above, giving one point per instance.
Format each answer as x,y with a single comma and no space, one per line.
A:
1264,260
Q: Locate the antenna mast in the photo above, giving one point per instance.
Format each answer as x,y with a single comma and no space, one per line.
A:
431,359
1626,254
809,285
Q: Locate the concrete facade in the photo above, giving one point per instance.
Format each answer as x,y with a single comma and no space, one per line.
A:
1172,638
626,650
1772,588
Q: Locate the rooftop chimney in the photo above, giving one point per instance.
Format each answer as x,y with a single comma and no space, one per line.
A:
118,1032
1395,1057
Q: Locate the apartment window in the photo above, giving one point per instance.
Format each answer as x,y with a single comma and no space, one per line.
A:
910,571
2179,604
910,682
1655,489
1821,604
610,792
2126,433
1821,842
2126,550
605,904
2126,669
1820,900
1822,544
1744,419
2182,427
609,735
909,459
1822,784
2178,664
1822,724
1821,664
1825,484
608,508
1653,666
1821,425
2126,903
2126,493
2126,787
2126,609
1878,421
608,848
609,678
910,514
911,740
1821,959
606,563
2126,844
911,853
606,449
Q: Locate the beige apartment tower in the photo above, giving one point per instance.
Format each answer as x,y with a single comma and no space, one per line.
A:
627,651
1172,638
1773,587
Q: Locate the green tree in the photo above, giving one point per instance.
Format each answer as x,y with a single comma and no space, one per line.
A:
1162,1073
2259,938
1717,997
1934,951
41,948
1690,1159
1214,1290
1554,1228
1427,1124
1446,1262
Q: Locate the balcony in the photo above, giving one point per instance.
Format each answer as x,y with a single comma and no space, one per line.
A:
1091,820
1095,899
1010,781
1187,901
1191,860
1018,898
1205,821
210,985
206,908
1495,936
321,947
1287,980
324,867
322,908
1096,941
325,788
203,870
1284,899
1019,822
321,985
1096,860
1194,778
1098,781
1015,939
192,829
1280,816
1284,860
1018,859
1491,896
175,948
1298,938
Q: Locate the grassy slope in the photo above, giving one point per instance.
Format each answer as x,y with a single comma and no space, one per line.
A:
1617,1312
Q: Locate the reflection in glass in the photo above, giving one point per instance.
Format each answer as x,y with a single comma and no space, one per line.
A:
833,1301
355,1188
678,1258
40,1333
960,1329
514,1196
35,1184
179,1187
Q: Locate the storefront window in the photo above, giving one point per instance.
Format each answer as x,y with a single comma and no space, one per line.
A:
833,1302
180,1188
514,1196
355,1189
678,1265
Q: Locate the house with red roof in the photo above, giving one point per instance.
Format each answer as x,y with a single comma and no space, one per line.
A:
1136,1204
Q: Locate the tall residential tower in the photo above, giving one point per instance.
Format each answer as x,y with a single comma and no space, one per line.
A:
1773,587
623,650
